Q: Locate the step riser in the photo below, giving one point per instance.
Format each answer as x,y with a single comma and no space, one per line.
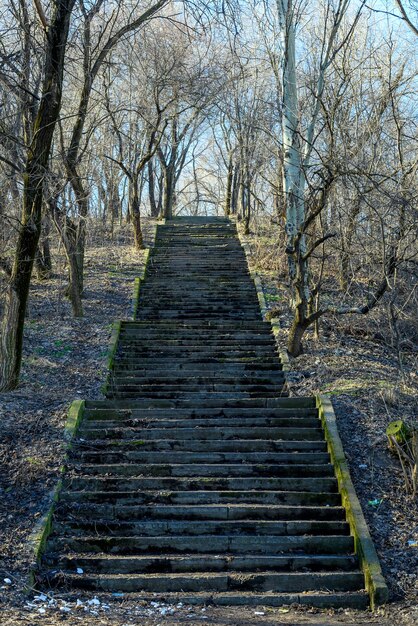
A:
313,485
197,458
187,434
207,544
295,422
134,512
208,563
257,403
205,470
118,498
198,414
156,528
205,445
256,582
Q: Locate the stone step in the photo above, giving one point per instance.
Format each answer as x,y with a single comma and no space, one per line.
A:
234,403
202,287
175,313
193,389
174,563
153,497
201,512
135,456
134,351
181,361
218,582
230,376
200,324
146,421
215,544
203,445
324,600
178,398
156,528
215,469
200,413
197,363
207,483
226,343
205,434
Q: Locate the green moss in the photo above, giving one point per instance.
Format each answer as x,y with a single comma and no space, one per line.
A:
364,548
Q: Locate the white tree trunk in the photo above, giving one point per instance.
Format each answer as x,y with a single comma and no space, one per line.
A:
293,174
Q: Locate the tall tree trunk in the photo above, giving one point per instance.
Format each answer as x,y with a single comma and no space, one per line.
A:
43,261
134,209
67,230
36,167
235,190
229,181
82,200
168,200
293,185
70,240
247,213
151,189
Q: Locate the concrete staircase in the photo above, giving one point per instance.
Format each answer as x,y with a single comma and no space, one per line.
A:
197,478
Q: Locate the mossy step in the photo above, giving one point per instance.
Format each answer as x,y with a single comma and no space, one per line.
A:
197,360
160,367
207,562
191,434
201,288
196,342
236,403
198,512
174,330
160,422
204,445
136,351
200,413
179,397
153,528
180,389
257,582
224,544
205,483
174,313
197,324
222,374
79,455
213,469
168,497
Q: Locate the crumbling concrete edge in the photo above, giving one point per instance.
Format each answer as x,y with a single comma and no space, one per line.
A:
111,352
369,561
256,278
275,324
117,326
42,530
140,279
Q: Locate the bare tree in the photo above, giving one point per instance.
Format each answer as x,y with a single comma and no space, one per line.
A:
35,170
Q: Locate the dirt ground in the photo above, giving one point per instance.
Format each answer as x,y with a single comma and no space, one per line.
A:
65,359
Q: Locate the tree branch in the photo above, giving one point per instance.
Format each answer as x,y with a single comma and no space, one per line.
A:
41,14
317,243
405,17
